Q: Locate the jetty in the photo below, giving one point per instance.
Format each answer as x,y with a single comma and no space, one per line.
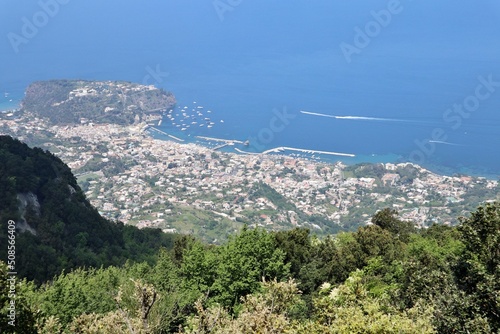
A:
166,134
222,146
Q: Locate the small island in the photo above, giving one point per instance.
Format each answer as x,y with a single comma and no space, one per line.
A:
81,101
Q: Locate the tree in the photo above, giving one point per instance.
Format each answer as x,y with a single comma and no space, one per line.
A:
243,262
479,266
176,302
388,220
198,268
305,262
481,235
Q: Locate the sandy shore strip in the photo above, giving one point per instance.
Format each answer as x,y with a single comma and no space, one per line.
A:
245,152
285,148
227,141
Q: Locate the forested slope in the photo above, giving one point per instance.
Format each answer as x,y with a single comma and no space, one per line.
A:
57,228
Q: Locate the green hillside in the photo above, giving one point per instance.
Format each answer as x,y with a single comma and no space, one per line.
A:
56,226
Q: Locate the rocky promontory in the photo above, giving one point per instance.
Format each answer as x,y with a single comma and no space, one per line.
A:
81,101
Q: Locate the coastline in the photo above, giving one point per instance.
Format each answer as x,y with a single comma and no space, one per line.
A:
10,106
236,146
183,169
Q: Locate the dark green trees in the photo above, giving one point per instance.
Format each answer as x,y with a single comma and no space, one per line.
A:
478,270
388,220
39,192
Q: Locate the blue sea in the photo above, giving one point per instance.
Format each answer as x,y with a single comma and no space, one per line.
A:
386,81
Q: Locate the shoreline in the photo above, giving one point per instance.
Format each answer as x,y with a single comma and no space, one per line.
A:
236,146
308,151
390,158
13,104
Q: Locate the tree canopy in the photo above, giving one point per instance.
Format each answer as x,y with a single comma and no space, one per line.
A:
439,280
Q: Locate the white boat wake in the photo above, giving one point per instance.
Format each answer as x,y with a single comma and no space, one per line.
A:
363,118
444,143
358,118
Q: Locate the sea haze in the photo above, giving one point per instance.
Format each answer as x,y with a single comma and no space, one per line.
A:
257,59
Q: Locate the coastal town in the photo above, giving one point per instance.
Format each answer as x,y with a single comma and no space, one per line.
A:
131,176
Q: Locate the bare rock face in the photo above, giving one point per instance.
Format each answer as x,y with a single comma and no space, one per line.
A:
79,101
27,200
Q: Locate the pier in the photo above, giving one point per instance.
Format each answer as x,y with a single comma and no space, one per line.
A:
222,146
166,134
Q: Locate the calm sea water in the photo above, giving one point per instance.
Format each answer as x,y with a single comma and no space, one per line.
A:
260,59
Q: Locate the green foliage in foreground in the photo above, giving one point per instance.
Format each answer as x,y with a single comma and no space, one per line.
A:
383,278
